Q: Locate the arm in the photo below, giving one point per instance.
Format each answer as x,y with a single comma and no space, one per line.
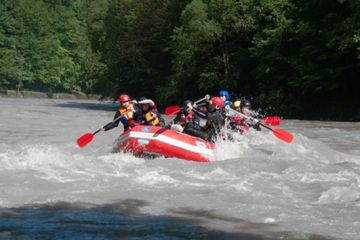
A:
175,123
177,118
200,114
113,124
161,119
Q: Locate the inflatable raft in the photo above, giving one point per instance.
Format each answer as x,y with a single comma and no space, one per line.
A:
150,140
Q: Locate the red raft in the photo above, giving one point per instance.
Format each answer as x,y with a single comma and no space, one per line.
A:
150,140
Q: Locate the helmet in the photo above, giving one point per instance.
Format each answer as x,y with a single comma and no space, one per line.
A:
124,98
225,93
237,104
218,102
186,103
246,104
142,99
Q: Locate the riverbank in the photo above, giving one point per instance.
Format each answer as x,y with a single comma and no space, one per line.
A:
34,94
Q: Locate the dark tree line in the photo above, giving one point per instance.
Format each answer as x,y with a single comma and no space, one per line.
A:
296,58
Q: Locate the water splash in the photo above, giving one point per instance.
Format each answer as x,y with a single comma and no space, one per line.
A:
308,186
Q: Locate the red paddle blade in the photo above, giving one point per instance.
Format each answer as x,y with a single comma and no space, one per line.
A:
283,135
172,110
85,139
271,121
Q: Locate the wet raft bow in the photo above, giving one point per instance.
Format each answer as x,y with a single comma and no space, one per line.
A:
165,142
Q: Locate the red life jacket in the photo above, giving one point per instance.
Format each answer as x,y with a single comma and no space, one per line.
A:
240,123
189,118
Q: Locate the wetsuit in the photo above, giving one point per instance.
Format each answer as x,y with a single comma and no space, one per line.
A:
214,121
191,124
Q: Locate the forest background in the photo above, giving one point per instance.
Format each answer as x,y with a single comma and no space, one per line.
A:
296,58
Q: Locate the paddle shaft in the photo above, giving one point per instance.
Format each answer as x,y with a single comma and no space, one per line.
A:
102,128
232,111
200,100
265,126
110,123
175,109
279,133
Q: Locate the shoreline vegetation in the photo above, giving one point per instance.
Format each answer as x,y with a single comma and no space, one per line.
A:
297,59
83,96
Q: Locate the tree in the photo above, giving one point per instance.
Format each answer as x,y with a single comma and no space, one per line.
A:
209,47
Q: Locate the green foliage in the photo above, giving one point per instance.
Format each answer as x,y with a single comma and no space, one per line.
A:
309,50
132,42
43,45
207,44
295,58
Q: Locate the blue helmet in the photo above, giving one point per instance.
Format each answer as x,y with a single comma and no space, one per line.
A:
225,93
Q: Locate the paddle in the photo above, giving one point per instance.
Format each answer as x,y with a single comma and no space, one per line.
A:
271,120
202,99
278,132
172,110
88,137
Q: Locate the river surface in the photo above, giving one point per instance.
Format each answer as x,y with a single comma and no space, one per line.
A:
257,187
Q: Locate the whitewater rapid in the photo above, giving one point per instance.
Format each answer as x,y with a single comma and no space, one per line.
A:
257,184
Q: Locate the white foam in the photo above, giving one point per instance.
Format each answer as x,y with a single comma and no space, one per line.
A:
340,194
269,220
154,177
306,186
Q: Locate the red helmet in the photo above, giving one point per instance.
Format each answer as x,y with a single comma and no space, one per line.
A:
217,101
124,98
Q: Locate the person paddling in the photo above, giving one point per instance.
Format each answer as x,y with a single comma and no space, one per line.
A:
148,114
127,114
214,118
240,122
188,122
237,122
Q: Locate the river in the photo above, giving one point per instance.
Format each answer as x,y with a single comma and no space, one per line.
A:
256,188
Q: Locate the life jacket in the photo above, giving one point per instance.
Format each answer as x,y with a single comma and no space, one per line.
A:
128,111
128,114
185,119
151,118
238,122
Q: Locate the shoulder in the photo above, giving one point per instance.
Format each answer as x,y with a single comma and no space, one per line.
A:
136,108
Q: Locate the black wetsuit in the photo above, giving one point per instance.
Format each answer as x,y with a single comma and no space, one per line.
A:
214,122
192,127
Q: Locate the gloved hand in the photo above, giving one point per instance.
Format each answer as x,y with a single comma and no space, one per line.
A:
107,126
177,128
207,97
227,108
257,127
189,106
